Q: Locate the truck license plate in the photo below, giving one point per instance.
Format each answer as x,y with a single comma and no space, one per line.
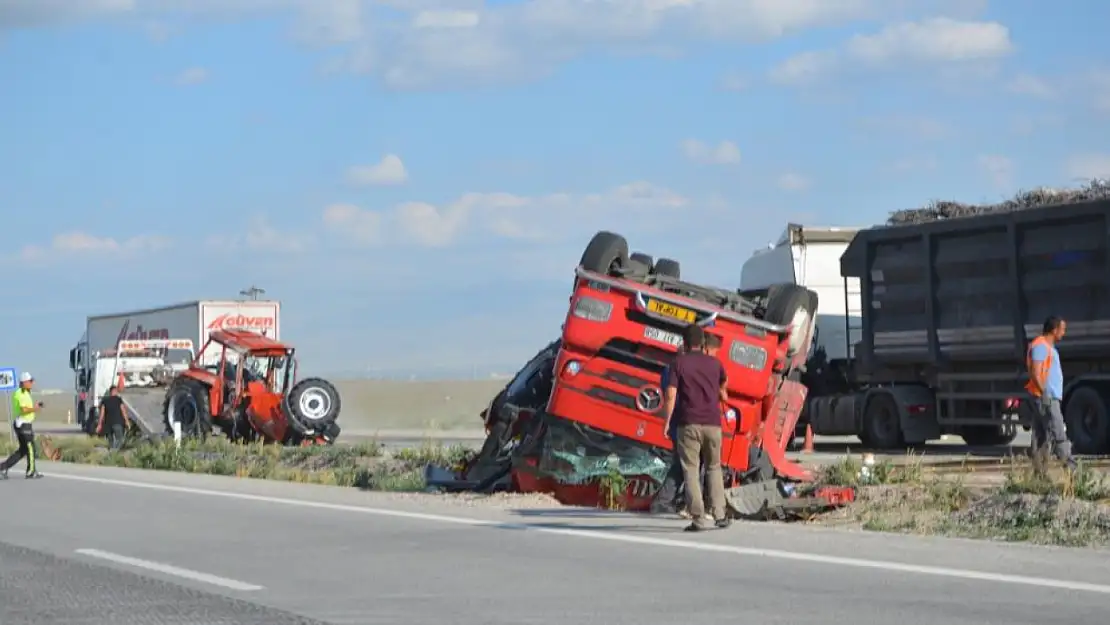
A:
665,309
655,334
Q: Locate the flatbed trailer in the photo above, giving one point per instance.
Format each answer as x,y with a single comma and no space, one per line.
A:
948,309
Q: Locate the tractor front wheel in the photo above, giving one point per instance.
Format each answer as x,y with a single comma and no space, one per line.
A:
312,407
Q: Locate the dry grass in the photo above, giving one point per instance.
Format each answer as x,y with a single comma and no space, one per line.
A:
377,404
1059,507
365,465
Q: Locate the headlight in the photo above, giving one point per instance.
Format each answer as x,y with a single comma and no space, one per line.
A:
730,415
592,309
745,355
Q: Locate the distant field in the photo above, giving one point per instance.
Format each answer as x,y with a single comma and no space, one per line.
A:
374,404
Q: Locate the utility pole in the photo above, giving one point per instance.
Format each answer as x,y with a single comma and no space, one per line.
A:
252,292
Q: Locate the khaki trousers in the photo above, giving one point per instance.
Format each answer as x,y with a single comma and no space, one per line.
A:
700,444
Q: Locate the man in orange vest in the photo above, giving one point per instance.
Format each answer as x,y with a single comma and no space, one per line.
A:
1046,385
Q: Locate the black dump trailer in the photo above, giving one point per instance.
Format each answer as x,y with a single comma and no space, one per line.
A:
948,310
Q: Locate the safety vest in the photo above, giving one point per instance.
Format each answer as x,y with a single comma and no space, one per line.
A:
1042,368
22,399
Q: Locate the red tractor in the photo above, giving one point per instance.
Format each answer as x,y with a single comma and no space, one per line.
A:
250,392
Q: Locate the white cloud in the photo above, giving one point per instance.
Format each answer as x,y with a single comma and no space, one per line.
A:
503,215
75,243
914,126
191,76
732,82
1087,166
388,171
260,236
446,18
1000,169
1033,86
461,42
792,181
724,153
929,42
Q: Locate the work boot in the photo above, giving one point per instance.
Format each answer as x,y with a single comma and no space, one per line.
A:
34,475
3,474
723,523
696,526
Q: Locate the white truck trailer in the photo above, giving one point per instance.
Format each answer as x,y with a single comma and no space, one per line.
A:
135,343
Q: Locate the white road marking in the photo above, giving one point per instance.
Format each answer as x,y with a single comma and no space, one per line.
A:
797,556
158,567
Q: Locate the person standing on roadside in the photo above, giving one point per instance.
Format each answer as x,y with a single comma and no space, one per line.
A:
24,408
1046,385
114,417
697,385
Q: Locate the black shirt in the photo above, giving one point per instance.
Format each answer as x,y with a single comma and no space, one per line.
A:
697,378
113,410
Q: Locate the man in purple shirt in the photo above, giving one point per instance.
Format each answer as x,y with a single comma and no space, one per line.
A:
697,383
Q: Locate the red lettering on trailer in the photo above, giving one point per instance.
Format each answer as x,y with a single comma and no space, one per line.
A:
239,321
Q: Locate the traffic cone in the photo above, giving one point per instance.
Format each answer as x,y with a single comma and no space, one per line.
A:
808,448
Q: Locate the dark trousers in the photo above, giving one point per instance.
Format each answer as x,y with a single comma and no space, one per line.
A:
1050,435
115,436
26,436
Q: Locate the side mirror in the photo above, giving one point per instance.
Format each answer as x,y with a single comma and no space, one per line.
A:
73,359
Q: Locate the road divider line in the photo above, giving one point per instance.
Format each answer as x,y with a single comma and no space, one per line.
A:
168,569
796,556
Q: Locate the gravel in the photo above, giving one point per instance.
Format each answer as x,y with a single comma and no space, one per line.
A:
938,210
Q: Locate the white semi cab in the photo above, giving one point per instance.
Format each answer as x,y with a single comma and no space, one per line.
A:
95,362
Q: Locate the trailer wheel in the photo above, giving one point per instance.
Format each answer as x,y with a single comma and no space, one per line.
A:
312,405
988,435
668,267
1087,420
795,306
605,253
882,427
187,403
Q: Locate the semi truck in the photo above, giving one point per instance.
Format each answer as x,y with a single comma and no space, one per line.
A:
926,333
148,344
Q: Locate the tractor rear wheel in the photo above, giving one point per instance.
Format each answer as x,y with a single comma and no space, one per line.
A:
187,403
312,406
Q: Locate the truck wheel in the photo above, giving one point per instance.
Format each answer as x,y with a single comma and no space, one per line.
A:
795,306
606,252
668,267
1088,423
187,403
643,259
988,435
311,406
882,428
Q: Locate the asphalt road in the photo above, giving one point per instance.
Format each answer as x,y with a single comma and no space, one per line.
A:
98,545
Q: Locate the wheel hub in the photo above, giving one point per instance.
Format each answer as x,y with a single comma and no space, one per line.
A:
314,404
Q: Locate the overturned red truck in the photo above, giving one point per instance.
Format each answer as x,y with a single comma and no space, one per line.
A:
584,416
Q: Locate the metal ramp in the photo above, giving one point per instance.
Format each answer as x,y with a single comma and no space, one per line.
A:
145,409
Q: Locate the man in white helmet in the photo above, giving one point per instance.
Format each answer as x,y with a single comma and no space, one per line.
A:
24,408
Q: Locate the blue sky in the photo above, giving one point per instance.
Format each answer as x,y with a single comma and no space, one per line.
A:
415,179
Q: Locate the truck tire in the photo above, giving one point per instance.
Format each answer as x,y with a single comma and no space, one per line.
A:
643,259
606,252
1087,420
311,406
882,427
187,402
793,305
988,435
668,267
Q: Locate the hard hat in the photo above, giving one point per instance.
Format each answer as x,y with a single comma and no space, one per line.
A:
25,377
